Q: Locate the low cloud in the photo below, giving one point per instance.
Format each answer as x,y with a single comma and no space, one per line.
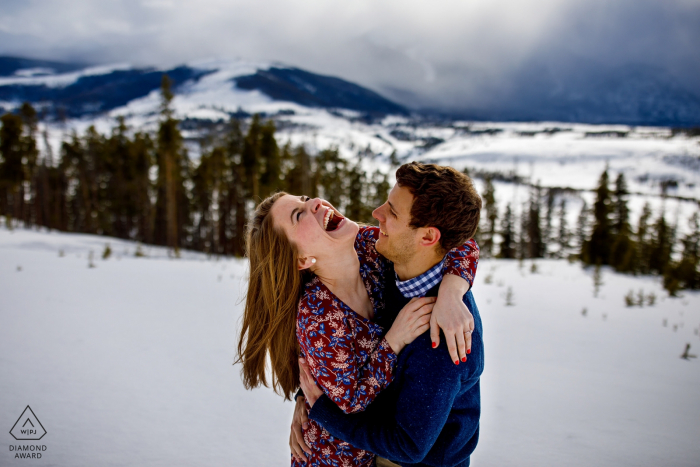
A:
452,54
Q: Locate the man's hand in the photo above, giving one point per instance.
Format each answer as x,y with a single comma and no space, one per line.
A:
296,438
452,316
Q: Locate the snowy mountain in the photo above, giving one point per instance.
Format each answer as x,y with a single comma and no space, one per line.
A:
631,94
77,91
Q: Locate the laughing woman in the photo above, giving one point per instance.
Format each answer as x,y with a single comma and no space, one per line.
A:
316,290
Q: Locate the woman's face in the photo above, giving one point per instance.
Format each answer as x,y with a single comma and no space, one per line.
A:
313,225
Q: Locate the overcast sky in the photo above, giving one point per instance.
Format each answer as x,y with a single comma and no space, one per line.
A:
439,53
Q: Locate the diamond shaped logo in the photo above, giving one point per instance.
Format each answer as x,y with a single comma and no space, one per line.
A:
28,427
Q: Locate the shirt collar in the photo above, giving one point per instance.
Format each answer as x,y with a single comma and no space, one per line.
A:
419,285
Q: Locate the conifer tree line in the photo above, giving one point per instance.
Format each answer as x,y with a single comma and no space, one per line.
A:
603,234
144,187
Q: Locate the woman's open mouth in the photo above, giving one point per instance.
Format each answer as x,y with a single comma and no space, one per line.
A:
331,220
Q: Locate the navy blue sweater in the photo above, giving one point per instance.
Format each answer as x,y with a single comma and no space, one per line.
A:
429,414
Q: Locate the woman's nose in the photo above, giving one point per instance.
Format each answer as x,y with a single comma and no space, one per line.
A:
315,205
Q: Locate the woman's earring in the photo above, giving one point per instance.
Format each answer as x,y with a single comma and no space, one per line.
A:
313,260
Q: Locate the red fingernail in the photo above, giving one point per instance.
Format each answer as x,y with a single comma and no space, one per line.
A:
456,362
469,351
464,359
434,344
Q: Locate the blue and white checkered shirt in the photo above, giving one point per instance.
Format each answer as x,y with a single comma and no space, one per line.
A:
419,286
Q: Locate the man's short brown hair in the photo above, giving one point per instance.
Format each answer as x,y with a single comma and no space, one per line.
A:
443,198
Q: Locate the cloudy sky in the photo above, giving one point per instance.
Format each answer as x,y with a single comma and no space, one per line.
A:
440,53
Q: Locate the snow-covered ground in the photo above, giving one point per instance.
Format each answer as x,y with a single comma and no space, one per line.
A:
130,362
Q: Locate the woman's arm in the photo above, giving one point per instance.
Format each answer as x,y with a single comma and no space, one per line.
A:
450,313
349,372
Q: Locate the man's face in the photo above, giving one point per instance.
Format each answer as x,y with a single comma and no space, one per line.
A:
398,242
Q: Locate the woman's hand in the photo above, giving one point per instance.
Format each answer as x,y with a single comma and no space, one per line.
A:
311,390
453,317
412,321
296,438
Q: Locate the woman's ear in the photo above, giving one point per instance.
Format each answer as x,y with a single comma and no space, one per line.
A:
305,263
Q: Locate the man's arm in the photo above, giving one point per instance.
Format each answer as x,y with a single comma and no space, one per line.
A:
424,402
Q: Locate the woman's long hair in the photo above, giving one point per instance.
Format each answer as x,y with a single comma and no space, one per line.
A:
269,318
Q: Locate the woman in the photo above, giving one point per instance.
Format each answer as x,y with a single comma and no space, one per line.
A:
316,272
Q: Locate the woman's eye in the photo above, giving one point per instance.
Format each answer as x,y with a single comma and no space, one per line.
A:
298,216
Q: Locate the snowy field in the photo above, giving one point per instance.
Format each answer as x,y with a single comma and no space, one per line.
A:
130,362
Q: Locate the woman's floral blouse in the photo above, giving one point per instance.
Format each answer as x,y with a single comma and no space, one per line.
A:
347,354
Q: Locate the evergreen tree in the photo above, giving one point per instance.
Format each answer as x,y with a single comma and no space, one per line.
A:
582,230
380,189
491,211
236,193
250,159
172,204
597,249
622,248
357,208
12,173
330,172
564,235
643,242
685,274
299,179
535,245
271,176
523,248
661,245
547,231
507,246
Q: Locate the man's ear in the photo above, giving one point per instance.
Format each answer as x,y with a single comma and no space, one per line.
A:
431,237
305,263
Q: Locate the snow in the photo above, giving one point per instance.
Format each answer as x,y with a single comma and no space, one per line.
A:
130,362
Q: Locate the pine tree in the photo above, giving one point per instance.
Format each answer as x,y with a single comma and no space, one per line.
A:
547,231
357,208
661,245
172,205
564,235
507,246
12,173
582,231
299,179
491,211
685,274
250,159
622,248
271,176
330,172
643,242
535,245
380,189
597,249
236,190
523,250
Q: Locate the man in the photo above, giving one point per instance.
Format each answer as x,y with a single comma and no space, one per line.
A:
429,414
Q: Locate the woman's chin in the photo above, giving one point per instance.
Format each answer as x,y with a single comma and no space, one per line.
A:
346,228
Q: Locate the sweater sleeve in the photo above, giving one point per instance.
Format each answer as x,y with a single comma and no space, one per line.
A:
459,261
350,371
462,261
424,402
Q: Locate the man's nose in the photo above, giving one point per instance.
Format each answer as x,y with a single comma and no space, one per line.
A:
377,214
